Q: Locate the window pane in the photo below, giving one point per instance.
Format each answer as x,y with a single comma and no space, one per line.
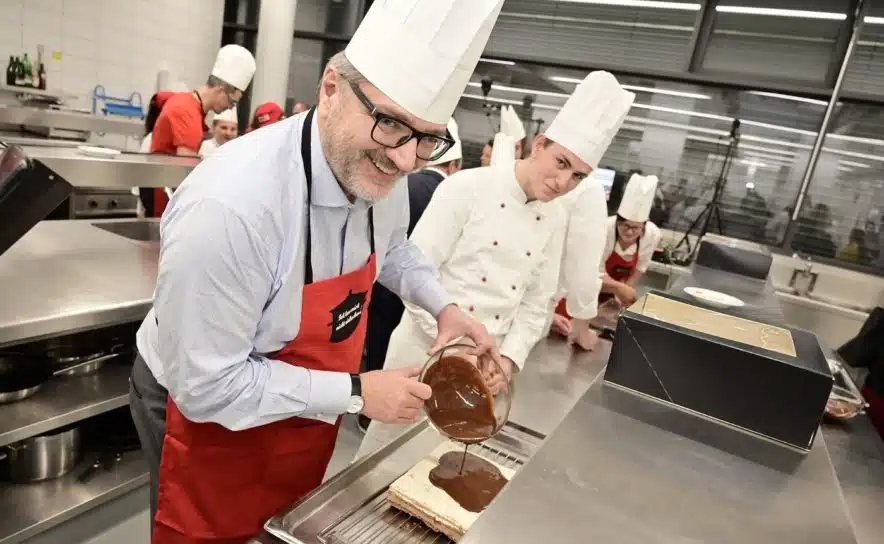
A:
842,215
335,17
679,132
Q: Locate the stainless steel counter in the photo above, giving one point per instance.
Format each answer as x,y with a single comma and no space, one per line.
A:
65,276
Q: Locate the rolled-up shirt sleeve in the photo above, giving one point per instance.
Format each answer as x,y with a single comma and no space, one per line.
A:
215,277
410,274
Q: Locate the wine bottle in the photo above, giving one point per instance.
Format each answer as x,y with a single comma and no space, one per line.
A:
10,71
27,71
19,72
41,73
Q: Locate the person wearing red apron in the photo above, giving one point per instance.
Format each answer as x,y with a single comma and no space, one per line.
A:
181,126
220,486
631,240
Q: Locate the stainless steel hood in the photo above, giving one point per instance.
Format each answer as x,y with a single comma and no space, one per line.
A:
125,171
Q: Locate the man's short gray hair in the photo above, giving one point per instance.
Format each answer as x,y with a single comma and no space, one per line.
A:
345,68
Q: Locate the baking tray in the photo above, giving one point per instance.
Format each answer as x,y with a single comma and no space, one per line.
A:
352,508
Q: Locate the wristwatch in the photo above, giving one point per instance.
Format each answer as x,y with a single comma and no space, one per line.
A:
356,403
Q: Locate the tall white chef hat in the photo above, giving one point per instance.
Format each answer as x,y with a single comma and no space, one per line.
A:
504,149
638,198
511,124
421,53
456,151
227,115
591,117
235,65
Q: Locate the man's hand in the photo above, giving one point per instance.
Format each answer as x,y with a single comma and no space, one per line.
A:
582,336
496,379
626,294
453,324
394,396
561,325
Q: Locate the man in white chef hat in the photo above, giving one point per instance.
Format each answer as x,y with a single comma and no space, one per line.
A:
503,151
225,127
495,233
625,255
386,308
270,249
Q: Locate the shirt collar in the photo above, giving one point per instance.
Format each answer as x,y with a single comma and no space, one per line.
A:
327,192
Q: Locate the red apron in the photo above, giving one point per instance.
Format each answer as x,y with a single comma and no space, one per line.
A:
618,268
220,486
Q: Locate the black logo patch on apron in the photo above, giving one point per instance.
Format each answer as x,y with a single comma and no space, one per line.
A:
346,316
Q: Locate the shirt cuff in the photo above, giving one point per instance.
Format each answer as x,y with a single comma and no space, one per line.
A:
433,298
329,395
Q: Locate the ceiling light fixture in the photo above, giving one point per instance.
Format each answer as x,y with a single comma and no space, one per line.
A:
873,20
790,97
496,61
507,88
776,12
637,88
653,4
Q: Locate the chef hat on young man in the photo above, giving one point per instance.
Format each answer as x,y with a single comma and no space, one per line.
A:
511,124
638,198
234,65
227,115
504,149
436,45
591,117
455,153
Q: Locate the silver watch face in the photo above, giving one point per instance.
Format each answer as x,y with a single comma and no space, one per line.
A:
355,405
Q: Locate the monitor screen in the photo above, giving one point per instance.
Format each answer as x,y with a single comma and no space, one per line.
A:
606,178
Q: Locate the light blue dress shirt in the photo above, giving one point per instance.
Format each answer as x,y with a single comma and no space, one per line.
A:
231,274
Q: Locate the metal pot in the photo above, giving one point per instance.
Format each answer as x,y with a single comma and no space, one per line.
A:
43,457
21,376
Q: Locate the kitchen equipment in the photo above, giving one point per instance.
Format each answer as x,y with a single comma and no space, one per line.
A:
110,436
23,374
29,191
462,399
43,457
845,401
352,507
714,298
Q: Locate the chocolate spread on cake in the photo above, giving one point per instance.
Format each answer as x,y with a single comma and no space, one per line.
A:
461,404
468,479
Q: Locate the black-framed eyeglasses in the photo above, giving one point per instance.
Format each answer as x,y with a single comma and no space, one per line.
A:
391,132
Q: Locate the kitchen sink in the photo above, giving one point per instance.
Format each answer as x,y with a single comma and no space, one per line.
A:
139,230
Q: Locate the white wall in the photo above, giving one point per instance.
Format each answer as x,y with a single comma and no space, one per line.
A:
120,44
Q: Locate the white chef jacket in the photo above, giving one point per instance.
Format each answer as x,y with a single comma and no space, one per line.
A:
493,249
208,147
231,275
646,246
583,249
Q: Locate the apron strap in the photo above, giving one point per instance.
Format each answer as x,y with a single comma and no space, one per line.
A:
307,161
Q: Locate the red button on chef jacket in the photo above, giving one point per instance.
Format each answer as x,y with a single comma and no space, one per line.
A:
180,124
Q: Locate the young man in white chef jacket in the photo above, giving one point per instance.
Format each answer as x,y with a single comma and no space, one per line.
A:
629,244
495,234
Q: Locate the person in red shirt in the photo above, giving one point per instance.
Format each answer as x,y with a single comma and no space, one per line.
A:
180,128
266,114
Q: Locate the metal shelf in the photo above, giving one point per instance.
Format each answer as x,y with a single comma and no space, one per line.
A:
30,509
62,401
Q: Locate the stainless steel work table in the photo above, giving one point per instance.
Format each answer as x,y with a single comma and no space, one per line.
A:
64,276
625,469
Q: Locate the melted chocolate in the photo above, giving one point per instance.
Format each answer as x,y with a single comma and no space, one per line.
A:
461,404
468,479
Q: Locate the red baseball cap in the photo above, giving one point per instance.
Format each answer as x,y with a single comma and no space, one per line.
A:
267,113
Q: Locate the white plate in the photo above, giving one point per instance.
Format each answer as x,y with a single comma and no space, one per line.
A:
714,297
98,152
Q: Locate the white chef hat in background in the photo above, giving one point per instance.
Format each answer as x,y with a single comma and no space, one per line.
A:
503,150
455,153
638,198
226,115
591,117
510,123
436,44
234,65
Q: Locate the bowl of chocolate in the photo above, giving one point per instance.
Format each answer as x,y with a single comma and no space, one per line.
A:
471,397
